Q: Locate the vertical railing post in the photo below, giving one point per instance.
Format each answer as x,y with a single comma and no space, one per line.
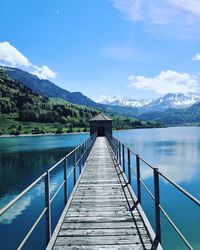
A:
65,179
74,167
48,205
86,148
123,159
116,148
118,151
85,157
157,203
120,157
80,158
83,153
129,165
138,178
86,151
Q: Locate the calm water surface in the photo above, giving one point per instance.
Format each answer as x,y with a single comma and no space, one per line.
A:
22,160
175,151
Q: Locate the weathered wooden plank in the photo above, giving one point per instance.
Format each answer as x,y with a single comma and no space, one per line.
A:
100,219
100,199
103,225
100,192
100,183
100,240
99,195
101,232
84,184
98,204
103,247
97,209
99,188
99,213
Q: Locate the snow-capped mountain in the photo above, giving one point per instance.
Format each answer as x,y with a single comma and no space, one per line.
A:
171,100
176,101
123,101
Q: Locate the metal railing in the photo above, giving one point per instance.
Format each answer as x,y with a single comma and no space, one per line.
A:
120,150
80,155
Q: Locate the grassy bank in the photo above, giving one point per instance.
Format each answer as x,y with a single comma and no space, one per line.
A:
11,126
14,127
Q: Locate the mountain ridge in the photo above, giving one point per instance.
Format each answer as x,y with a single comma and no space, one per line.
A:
50,89
24,111
170,100
174,117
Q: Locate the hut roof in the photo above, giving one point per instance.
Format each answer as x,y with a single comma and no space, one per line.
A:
100,117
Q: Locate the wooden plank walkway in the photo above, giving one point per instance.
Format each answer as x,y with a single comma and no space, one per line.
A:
98,215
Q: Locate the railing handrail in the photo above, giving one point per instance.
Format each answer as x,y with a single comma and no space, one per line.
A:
189,195
86,145
116,146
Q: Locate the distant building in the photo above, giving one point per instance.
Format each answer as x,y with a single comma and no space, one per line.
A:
100,124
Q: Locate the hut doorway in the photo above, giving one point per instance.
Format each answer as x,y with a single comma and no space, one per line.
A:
101,131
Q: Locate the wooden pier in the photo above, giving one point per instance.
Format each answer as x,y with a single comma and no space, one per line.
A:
101,212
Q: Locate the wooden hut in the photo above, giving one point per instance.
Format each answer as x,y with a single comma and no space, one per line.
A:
100,124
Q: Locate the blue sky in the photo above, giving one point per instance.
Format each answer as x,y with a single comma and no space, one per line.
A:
134,48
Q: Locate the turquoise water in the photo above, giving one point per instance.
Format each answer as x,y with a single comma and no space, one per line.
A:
22,160
175,151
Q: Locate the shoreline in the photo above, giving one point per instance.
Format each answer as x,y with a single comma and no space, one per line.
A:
71,133
75,133
35,135
48,134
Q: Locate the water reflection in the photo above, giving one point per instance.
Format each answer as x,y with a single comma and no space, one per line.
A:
22,160
175,151
18,170
16,210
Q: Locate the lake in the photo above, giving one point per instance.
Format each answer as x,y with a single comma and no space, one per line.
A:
175,151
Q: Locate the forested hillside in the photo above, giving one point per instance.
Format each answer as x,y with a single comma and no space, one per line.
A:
23,111
47,88
189,116
19,103
51,90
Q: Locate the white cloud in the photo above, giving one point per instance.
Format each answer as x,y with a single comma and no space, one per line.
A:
196,57
182,15
44,72
10,56
166,82
192,6
122,53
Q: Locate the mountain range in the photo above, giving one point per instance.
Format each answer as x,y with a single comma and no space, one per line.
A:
47,88
168,101
50,89
23,110
171,109
123,101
